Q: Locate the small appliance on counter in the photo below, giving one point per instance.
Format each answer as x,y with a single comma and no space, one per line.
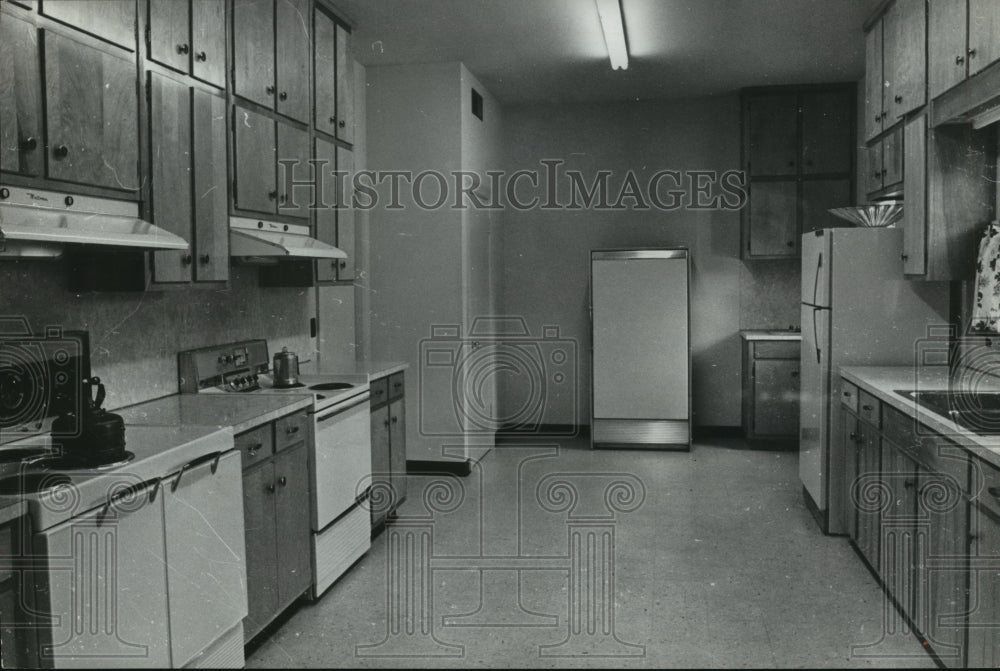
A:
286,369
92,436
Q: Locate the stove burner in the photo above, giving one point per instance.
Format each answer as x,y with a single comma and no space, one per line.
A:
294,385
331,386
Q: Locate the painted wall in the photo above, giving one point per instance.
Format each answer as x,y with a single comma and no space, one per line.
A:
546,252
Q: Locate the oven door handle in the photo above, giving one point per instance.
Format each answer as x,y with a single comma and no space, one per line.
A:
330,413
212,458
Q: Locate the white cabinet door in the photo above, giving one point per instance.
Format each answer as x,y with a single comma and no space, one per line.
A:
206,555
105,587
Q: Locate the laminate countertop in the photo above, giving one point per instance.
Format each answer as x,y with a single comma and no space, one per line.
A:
882,382
369,370
771,335
242,412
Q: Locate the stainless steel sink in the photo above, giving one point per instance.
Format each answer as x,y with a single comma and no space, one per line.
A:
978,412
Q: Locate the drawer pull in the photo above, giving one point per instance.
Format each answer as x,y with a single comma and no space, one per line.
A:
283,481
847,394
292,430
252,450
867,408
908,484
270,488
397,385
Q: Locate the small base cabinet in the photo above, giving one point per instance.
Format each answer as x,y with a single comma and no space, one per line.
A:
388,400
771,389
277,512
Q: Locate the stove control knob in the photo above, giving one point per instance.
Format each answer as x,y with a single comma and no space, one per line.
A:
222,359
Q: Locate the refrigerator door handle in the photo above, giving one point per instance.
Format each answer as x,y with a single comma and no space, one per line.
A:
819,264
819,357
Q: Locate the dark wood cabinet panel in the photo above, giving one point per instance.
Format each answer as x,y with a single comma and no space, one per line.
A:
869,512
892,157
325,69
261,530
170,163
773,224
898,529
397,448
818,197
291,506
208,41
91,115
381,462
946,58
772,143
21,143
169,33
345,214
827,132
211,197
984,593
345,85
984,34
874,82
326,214
253,51
254,159
905,57
112,20
915,189
851,441
873,175
293,165
292,58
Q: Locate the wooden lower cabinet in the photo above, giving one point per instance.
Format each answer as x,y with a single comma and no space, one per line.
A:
388,422
771,389
868,493
898,528
984,574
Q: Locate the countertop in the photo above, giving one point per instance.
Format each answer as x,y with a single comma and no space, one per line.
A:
771,335
882,381
11,509
241,412
369,370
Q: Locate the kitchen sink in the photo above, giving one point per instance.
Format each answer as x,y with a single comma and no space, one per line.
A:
978,412
331,386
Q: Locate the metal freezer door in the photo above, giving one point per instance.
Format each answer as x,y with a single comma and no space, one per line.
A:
814,410
640,330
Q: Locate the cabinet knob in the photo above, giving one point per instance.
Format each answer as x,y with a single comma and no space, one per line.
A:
283,95
395,420
908,484
292,430
853,436
62,151
283,199
972,53
270,488
204,259
960,60
867,408
252,450
386,422
283,481
791,164
343,264
904,256
333,119
29,144
899,99
270,90
342,123
201,56
186,260
183,48
271,195
790,243
795,373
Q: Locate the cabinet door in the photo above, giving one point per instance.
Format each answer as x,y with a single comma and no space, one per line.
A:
345,86
206,580
827,132
170,164
293,165
345,214
292,511
253,50
818,197
772,134
773,229
106,588
254,159
905,57
262,570
984,593
915,194
892,158
851,441
397,448
21,146
325,65
897,531
208,41
326,214
776,397
292,58
874,82
91,115
381,464
874,173
169,33
984,34
869,472
211,199
112,20
945,592
946,58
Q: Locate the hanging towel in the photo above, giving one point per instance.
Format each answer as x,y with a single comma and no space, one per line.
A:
986,313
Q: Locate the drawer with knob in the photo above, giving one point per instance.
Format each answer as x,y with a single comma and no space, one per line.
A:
291,430
849,396
379,391
869,408
396,386
255,445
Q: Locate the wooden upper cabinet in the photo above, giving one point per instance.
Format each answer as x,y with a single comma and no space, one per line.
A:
984,34
345,86
326,215
905,57
773,226
112,20
915,193
91,115
21,144
293,157
254,161
772,144
946,58
827,132
211,197
253,51
819,196
189,36
169,33
292,58
325,64
345,214
874,82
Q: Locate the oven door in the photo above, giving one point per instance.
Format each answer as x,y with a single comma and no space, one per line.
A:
343,457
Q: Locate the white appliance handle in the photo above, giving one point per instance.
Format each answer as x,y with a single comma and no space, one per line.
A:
329,413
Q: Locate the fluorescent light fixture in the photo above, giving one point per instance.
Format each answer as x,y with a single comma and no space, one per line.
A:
613,25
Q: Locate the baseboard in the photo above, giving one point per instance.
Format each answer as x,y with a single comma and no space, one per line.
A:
543,431
451,467
700,432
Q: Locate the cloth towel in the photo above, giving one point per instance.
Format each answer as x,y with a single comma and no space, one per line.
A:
986,313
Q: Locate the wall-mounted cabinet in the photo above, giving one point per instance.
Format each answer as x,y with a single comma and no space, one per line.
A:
111,20
334,106
964,39
895,65
263,150
797,152
22,149
185,35
885,163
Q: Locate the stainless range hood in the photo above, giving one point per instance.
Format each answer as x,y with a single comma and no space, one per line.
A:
37,223
265,241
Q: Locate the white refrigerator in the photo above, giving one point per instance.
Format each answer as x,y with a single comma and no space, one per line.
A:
857,309
641,348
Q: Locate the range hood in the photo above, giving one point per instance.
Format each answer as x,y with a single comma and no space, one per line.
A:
37,223
975,101
271,241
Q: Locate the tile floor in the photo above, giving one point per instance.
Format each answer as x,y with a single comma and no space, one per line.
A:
557,556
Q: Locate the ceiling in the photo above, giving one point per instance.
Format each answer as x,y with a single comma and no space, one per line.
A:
553,50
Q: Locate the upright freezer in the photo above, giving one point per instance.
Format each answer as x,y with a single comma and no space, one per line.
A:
857,309
641,352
